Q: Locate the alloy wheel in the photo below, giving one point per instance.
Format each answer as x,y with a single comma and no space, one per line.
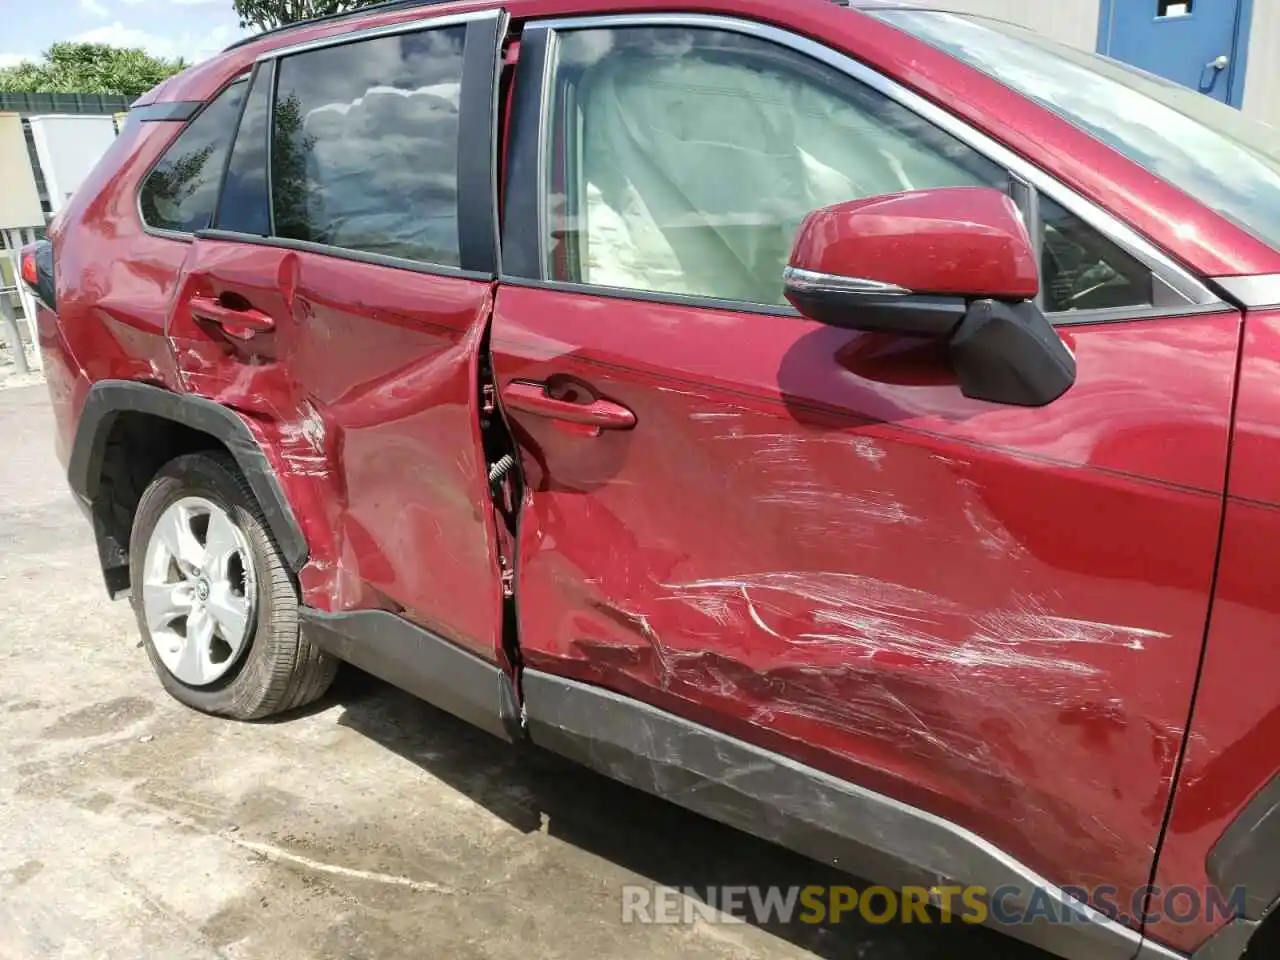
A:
198,590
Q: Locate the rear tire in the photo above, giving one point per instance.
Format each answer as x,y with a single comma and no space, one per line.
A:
219,620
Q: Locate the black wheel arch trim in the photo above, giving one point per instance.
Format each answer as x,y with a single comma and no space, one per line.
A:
110,398
1248,853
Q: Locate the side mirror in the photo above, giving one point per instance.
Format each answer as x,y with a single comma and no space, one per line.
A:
953,263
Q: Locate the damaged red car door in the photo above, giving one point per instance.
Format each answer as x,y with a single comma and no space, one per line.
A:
353,333
807,537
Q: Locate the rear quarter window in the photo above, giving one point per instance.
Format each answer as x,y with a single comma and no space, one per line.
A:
180,192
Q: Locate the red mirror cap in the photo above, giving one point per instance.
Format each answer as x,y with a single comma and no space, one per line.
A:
956,241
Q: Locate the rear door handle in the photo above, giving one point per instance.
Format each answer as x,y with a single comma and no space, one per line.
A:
533,398
242,324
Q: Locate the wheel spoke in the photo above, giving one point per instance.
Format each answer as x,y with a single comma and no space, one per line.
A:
165,602
221,542
174,531
230,612
196,652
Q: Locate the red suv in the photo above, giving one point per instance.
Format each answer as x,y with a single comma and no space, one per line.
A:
856,424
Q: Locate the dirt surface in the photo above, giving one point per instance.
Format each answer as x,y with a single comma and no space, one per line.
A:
9,375
370,826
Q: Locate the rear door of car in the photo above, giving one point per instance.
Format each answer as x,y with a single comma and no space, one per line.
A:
806,537
339,300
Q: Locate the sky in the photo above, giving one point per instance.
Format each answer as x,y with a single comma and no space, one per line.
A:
193,29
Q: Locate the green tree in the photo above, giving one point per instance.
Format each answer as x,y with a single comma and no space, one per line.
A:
265,14
88,68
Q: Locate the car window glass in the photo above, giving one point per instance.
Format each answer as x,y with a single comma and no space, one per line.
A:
242,206
365,146
684,160
1080,269
180,192
1213,152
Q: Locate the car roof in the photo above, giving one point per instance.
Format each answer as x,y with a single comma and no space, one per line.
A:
380,7
1181,225
388,5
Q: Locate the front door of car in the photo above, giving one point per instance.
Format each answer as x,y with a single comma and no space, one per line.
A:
805,536
345,314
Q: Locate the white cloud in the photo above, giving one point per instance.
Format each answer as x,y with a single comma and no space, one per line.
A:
191,46
95,7
13,59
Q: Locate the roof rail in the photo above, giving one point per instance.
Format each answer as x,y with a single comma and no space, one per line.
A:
380,7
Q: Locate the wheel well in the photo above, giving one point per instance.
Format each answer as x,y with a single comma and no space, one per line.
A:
136,447
1265,941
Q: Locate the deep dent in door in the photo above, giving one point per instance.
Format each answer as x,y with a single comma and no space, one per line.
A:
360,405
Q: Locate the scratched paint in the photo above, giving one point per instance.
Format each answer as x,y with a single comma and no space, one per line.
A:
1019,652
302,443
1032,624
874,615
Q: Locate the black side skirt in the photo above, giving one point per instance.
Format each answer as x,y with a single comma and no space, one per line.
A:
419,662
828,819
738,783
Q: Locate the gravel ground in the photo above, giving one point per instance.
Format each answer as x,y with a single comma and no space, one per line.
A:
371,825
9,375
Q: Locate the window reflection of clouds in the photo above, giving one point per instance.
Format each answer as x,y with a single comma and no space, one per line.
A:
1205,148
376,144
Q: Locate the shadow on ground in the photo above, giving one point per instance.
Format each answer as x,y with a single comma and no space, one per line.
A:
534,790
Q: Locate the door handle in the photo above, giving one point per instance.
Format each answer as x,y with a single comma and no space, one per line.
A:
243,324
1209,75
535,399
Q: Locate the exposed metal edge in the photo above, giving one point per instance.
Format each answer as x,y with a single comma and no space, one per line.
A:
1178,277
1252,293
385,30
1246,855
802,808
811,281
419,662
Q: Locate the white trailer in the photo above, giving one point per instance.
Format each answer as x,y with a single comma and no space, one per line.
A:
68,146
